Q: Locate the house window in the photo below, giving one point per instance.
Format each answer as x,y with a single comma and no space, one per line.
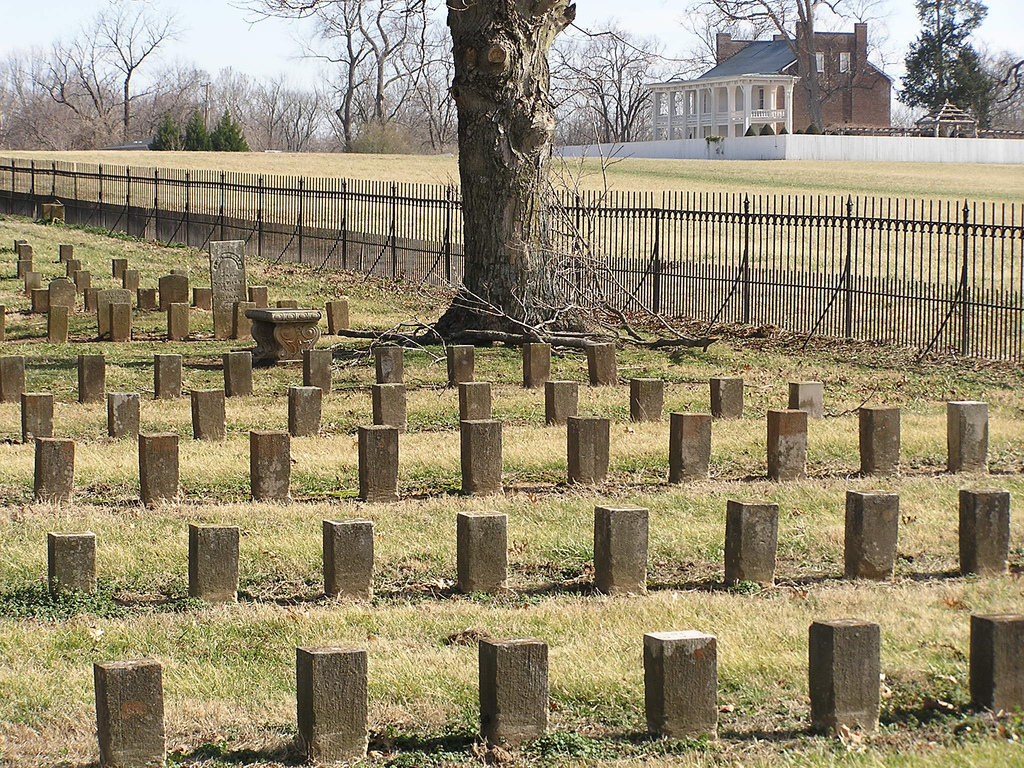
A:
844,61
819,59
760,98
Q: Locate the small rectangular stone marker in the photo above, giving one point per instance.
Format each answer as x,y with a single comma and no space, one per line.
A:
33,282
66,251
807,396
92,378
620,550
389,362
72,266
36,415
241,326
561,401
787,445
726,398
209,419
62,293
12,378
331,703
536,365
177,322
751,542
474,400
879,440
316,369
158,468
689,446
237,374
997,662
587,446
40,301
460,363
481,456
388,402
57,319
173,290
967,436
120,322
54,469
71,561
513,690
681,684
337,316
259,296
24,267
287,303
3,323
601,364
872,532
146,300
270,465
130,713
844,664
202,298
984,531
167,377
130,279
123,414
90,300
213,563
481,551
227,284
348,558
117,268
378,463
646,399
304,409
82,279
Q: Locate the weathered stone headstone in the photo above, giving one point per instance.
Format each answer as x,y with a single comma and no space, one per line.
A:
167,377
227,284
202,298
117,268
54,469
213,563
997,662
90,300
40,298
378,463
237,374
103,301
807,396
388,404
33,282
681,684
879,429
843,674
146,300
587,446
92,378
689,446
474,400
967,436
3,323
751,542
727,398
536,365
71,562
24,267
71,266
461,361
259,296
158,468
270,465
513,690
36,415
66,251
620,550
481,551
57,320
872,532
561,401
120,322
177,322
389,364
173,290
241,326
601,364
481,456
348,558
337,316
331,701
316,369
287,303
646,399
12,378
62,293
123,414
130,713
82,278
787,445
209,421
304,410
130,279
984,531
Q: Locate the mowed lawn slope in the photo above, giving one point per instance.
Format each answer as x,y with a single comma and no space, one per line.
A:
928,181
229,671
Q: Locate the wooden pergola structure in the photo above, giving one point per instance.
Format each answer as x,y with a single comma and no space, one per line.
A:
949,121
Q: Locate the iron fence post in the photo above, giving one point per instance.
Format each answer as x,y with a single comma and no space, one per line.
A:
965,326
848,268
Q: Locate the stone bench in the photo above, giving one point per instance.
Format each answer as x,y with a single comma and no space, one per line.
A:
283,334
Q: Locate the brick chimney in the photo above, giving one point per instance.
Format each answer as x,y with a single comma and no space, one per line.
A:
723,46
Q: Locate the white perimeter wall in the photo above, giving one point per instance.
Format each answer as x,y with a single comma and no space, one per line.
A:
800,147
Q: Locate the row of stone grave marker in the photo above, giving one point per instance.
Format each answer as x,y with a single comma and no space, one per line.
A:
620,548
681,700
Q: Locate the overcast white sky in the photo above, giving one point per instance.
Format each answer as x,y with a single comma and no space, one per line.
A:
218,34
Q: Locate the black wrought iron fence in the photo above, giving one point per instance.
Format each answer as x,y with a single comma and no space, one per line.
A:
934,275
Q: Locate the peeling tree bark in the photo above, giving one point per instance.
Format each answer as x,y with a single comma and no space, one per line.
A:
506,125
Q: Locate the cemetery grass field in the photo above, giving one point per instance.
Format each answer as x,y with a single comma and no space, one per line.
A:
229,671
927,181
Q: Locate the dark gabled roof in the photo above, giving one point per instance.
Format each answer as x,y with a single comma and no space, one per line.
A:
761,57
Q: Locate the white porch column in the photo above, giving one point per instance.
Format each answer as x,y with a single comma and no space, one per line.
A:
730,102
789,109
748,94
714,111
686,114
671,114
657,115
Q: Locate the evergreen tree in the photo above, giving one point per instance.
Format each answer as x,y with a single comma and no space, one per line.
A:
227,136
942,65
197,138
168,135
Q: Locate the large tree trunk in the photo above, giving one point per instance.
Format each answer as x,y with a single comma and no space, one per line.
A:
506,125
